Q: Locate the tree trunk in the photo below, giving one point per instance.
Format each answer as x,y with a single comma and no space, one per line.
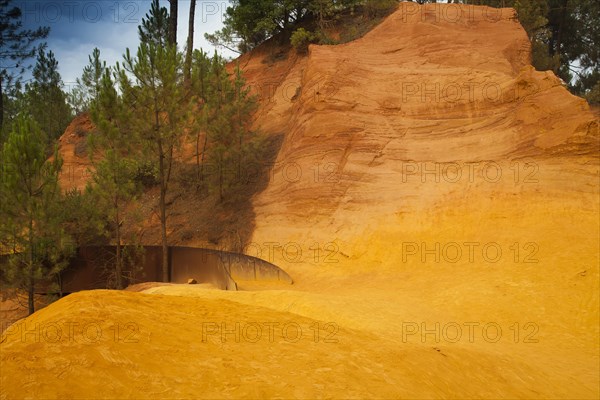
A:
119,267
190,44
559,35
163,214
173,23
31,291
1,107
163,235
31,283
239,124
198,165
202,160
198,160
202,72
221,180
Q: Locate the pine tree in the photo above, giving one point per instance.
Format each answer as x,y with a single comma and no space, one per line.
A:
218,128
565,36
47,102
85,222
190,43
78,100
575,41
30,207
155,27
14,102
244,107
113,176
89,84
173,23
228,115
201,66
159,112
16,46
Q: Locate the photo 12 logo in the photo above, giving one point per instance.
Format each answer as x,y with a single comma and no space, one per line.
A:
449,13
461,92
320,89
72,332
253,332
125,11
453,332
470,252
51,12
295,252
470,172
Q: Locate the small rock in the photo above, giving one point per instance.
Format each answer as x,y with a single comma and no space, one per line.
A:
192,281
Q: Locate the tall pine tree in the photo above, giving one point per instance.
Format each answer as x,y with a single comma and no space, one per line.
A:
113,177
47,102
201,67
155,26
159,112
17,45
88,86
30,207
228,116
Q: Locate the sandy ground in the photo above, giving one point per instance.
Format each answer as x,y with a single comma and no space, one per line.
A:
409,281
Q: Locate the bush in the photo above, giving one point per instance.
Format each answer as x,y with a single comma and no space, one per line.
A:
147,174
301,38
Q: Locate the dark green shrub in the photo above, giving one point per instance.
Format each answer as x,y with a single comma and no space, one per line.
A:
301,38
147,174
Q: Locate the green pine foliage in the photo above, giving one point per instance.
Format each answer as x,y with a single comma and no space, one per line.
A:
565,38
85,221
87,89
17,45
113,184
227,153
249,23
46,101
155,26
32,223
158,109
301,39
200,88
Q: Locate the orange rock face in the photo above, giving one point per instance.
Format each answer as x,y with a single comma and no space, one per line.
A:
436,99
73,149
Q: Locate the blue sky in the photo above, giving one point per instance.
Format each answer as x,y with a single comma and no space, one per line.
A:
77,26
